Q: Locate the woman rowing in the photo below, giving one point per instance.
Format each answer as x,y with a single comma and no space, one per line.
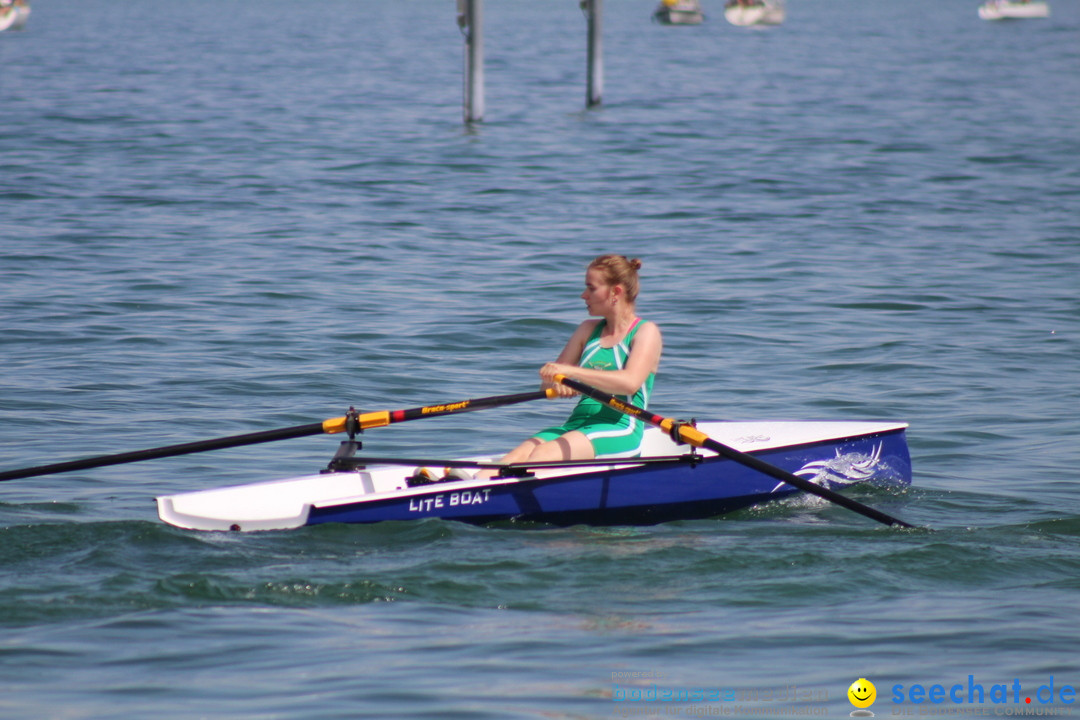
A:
619,354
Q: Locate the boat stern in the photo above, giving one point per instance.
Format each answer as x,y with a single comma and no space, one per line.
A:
274,505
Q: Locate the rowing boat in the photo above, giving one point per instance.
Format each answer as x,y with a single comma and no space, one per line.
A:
663,483
668,482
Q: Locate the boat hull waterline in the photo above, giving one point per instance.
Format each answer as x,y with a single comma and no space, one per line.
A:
834,454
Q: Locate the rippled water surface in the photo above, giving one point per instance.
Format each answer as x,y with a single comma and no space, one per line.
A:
219,218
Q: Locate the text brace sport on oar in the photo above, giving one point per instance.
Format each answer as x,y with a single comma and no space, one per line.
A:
349,423
683,432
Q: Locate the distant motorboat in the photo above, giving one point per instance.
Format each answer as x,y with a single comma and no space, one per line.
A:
755,12
1013,9
679,12
13,15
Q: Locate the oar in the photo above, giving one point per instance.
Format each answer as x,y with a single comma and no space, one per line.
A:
691,435
351,422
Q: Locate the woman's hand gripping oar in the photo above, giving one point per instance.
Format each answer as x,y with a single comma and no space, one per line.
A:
682,432
362,421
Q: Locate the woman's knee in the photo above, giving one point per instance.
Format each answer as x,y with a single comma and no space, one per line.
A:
571,446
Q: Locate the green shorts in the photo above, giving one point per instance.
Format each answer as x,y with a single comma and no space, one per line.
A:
618,438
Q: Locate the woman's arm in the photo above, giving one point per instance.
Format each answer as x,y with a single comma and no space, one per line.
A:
569,357
644,359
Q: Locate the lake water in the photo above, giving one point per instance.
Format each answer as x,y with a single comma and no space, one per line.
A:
218,218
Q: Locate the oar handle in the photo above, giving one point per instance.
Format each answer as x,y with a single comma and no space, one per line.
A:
691,435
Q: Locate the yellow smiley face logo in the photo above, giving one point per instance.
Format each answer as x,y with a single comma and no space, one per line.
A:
862,693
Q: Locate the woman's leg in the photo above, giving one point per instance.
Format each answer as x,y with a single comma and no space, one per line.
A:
518,454
569,446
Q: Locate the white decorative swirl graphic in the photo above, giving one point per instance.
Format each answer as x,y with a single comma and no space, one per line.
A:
840,470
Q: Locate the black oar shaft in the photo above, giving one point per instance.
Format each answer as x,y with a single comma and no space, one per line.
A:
167,451
333,425
693,436
388,417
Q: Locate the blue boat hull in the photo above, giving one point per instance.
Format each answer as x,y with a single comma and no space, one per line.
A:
646,494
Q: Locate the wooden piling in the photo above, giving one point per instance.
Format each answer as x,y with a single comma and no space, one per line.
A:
594,90
471,20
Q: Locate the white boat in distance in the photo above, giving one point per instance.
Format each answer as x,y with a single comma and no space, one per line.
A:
679,12
1013,9
13,15
755,12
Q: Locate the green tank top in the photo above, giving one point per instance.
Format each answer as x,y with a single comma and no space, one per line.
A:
597,357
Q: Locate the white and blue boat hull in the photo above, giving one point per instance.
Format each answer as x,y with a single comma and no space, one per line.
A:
834,454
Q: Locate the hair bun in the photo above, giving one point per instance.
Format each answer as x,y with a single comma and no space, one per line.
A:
619,270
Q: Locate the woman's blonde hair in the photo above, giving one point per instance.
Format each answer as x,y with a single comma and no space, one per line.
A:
619,270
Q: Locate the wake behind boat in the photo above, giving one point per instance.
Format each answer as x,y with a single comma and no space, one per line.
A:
666,483
755,12
1013,9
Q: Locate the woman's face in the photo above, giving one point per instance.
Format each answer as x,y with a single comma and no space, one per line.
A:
597,295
